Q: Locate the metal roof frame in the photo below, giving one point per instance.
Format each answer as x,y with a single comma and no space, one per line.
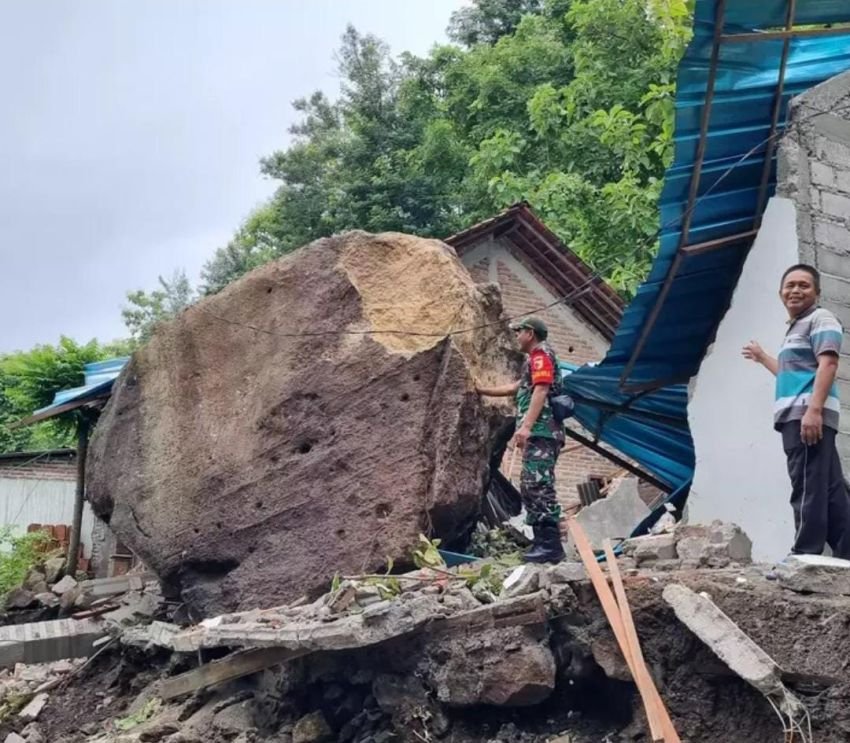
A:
741,240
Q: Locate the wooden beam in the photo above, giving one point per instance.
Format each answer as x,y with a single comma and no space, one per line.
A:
232,667
656,712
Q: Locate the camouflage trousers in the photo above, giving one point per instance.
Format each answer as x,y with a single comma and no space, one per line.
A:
537,481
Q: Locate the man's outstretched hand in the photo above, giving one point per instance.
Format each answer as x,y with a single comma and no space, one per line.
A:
754,352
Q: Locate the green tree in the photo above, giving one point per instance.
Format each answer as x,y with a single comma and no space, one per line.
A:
486,21
30,379
567,104
147,309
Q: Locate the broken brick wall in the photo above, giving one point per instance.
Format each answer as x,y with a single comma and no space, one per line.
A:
814,171
573,339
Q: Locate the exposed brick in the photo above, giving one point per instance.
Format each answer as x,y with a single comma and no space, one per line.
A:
842,180
836,206
832,152
830,233
833,262
835,289
823,174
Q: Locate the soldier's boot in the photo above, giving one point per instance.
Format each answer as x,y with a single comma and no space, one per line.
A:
547,546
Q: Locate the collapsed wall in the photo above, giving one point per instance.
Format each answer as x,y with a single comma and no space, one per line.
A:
814,171
311,419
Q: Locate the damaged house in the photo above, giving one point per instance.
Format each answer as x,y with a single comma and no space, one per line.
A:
276,452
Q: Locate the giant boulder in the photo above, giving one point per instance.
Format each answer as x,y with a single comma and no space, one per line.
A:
311,419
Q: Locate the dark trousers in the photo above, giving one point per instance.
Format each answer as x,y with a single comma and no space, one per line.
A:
537,481
819,494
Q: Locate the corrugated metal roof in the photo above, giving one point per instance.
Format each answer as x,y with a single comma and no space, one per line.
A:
734,84
99,378
746,60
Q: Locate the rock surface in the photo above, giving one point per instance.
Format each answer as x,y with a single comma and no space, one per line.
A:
247,466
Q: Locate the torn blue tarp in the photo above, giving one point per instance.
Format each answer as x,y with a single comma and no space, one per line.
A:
649,431
714,194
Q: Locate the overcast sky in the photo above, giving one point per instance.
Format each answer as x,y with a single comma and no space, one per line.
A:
130,134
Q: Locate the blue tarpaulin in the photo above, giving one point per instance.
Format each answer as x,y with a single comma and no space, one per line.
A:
746,60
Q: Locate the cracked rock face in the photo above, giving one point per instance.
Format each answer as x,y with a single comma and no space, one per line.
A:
251,450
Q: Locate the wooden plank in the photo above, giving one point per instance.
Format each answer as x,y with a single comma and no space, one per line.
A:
603,590
615,619
232,667
656,712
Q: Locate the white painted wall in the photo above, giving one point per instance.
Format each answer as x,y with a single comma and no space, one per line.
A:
741,474
25,501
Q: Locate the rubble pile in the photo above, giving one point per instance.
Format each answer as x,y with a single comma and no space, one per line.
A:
482,652
291,426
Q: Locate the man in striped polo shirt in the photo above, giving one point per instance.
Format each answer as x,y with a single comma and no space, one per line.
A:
806,414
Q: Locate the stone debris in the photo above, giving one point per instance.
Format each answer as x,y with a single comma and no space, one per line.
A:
715,545
312,728
613,517
65,585
53,569
815,574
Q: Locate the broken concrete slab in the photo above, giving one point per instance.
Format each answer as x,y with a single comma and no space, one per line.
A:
34,707
730,643
14,738
42,642
105,587
815,574
615,516
523,580
567,572
716,545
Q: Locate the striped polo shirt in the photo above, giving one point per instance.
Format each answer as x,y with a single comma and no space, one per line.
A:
813,333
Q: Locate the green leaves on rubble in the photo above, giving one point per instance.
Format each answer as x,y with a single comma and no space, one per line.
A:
426,555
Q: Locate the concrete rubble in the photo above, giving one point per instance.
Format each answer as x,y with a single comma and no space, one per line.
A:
715,545
614,516
815,574
396,657
726,640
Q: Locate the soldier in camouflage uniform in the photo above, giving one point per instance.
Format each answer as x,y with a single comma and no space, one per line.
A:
539,435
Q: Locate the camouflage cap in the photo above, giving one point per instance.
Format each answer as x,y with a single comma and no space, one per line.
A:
532,323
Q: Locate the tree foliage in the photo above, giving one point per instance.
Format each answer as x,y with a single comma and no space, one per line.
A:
30,379
147,309
567,104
